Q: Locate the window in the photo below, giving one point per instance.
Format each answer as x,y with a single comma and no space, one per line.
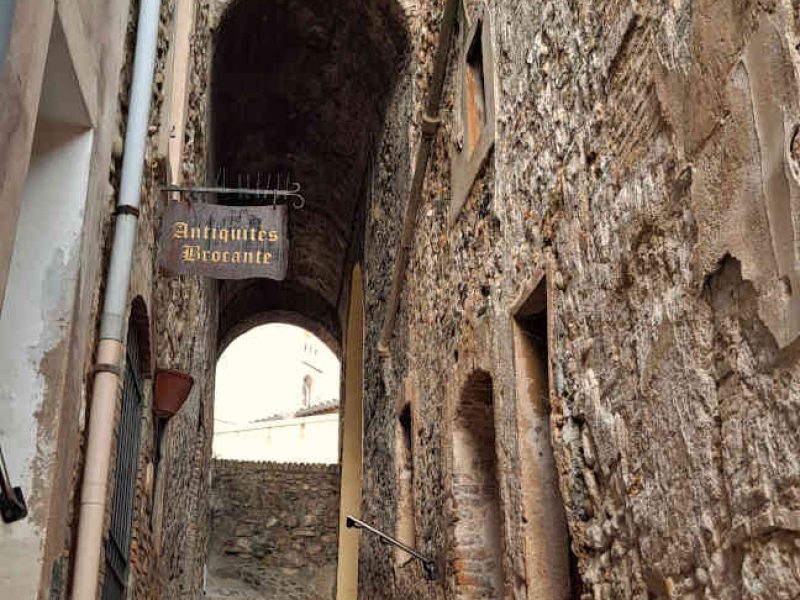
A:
476,115
474,92
118,542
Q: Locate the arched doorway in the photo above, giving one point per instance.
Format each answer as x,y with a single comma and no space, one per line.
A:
276,395
298,93
478,528
274,493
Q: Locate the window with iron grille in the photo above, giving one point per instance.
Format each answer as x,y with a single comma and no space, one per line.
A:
118,540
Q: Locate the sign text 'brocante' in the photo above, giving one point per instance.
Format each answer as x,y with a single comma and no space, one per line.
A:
224,242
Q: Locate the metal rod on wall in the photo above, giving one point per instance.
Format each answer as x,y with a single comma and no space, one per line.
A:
428,565
12,500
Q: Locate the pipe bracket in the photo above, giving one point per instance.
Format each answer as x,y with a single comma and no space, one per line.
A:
429,125
108,368
126,209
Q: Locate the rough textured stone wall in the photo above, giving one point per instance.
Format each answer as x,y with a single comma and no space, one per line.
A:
282,514
645,158
185,339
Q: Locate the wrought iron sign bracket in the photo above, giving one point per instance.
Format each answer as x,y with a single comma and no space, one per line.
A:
428,565
292,196
12,500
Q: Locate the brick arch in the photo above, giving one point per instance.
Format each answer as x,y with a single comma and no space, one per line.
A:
478,528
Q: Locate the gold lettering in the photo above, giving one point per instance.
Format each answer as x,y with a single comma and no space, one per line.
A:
226,256
248,257
236,234
206,255
273,236
252,235
216,256
237,257
213,233
261,235
223,235
190,253
258,257
205,236
267,257
196,233
180,230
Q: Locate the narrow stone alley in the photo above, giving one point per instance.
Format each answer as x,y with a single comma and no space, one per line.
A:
542,259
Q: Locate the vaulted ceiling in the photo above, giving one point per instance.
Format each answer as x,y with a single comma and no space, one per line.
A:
299,88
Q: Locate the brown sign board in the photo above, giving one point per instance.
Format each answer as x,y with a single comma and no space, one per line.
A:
224,242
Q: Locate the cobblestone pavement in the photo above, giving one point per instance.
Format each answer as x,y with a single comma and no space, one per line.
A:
243,578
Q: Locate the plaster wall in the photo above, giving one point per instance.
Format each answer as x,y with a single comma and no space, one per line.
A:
352,461
34,324
45,271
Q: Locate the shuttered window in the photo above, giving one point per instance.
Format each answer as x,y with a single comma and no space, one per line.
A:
118,541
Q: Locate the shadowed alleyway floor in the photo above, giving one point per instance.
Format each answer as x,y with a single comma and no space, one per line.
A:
243,578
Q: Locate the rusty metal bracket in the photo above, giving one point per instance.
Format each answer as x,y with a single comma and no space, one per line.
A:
430,125
12,500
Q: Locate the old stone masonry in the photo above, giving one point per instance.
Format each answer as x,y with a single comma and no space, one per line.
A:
552,246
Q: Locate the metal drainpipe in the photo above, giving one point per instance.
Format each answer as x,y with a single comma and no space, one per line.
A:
110,350
430,124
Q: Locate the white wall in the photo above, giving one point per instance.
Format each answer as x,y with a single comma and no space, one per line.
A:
313,439
36,320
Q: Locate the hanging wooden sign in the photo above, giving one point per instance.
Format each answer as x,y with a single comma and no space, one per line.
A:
224,242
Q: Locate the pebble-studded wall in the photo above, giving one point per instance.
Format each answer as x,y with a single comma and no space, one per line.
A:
284,514
645,151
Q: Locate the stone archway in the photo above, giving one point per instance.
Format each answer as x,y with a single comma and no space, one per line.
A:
298,90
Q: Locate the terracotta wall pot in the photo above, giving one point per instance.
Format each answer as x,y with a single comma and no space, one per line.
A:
172,390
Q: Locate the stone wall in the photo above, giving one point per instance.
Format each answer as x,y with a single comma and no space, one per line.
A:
644,161
284,515
185,322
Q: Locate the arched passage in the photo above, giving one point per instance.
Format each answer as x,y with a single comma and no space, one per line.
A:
298,90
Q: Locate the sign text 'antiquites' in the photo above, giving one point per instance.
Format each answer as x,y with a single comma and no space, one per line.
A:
224,242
